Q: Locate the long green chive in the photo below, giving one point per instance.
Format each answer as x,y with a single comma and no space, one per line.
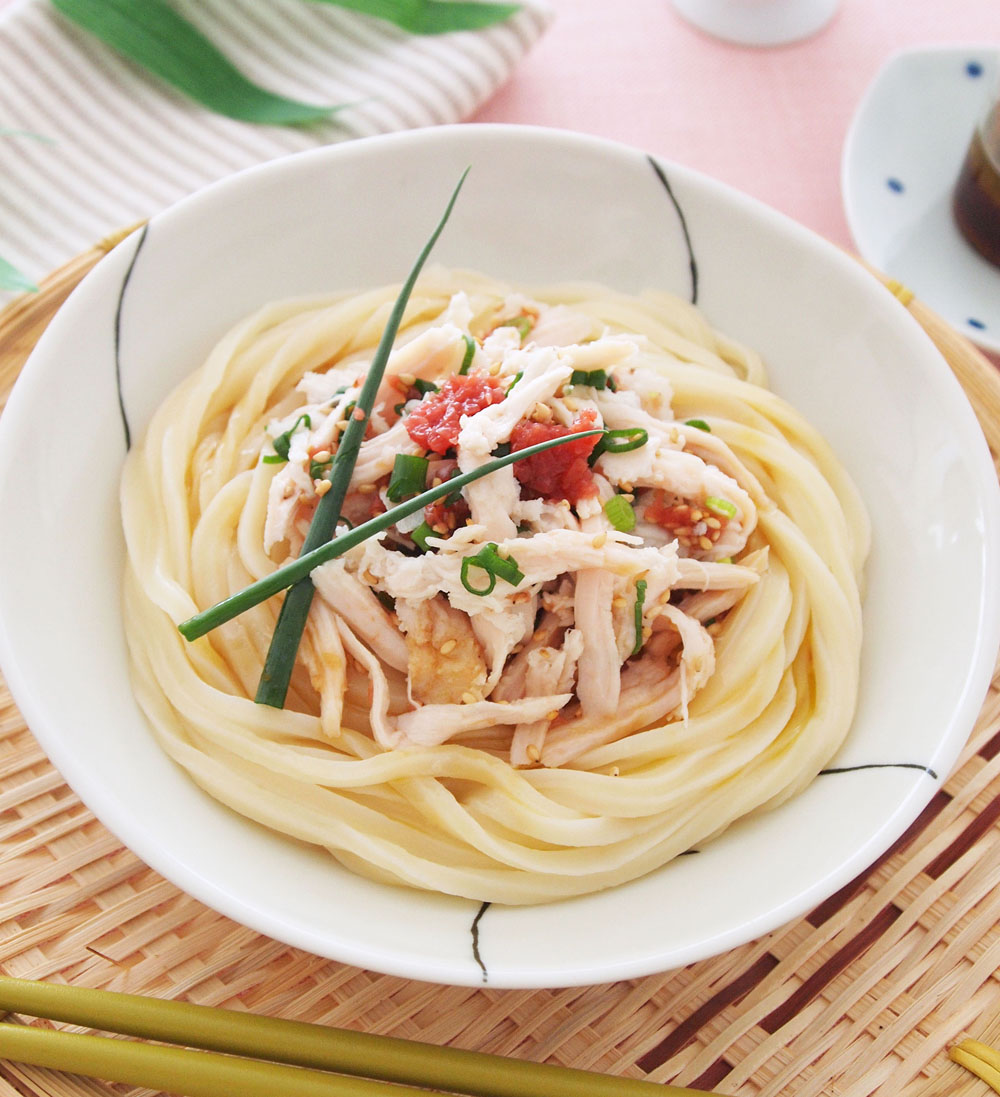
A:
409,477
277,672
294,572
620,513
470,353
488,559
640,598
517,377
722,508
699,423
283,443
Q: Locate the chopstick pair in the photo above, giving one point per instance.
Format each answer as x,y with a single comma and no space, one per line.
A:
980,1058
224,1052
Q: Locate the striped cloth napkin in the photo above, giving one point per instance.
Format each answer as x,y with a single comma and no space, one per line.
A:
119,144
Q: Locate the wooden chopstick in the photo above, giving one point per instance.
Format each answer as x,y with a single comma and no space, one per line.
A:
288,1057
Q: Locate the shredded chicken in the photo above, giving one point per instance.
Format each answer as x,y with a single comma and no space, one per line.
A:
565,601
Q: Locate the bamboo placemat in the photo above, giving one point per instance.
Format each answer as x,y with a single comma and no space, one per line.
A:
862,996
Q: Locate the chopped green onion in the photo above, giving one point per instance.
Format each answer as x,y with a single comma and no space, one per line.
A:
517,377
386,599
293,572
523,324
495,566
283,443
619,441
280,660
409,477
420,535
612,384
491,579
595,378
424,387
501,450
640,598
470,353
699,423
622,441
722,508
620,513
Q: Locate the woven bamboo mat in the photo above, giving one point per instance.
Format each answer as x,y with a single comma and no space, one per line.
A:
862,996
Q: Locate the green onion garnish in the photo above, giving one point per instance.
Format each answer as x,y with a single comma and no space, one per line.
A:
409,477
420,535
640,598
722,508
524,324
699,423
620,513
283,443
619,441
622,441
595,378
496,567
295,571
423,386
470,353
277,673
517,377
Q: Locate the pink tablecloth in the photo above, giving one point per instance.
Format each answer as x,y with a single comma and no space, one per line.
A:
769,121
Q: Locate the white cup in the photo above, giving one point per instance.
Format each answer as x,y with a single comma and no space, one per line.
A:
758,22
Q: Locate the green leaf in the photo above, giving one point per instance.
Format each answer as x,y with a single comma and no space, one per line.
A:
12,279
153,35
431,16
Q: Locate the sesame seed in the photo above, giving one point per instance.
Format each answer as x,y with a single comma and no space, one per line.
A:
600,540
704,542
468,698
532,752
366,489
571,402
448,647
696,516
541,413
322,457
713,523
323,486
407,379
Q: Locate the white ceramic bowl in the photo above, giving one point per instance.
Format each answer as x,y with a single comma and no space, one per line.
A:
538,206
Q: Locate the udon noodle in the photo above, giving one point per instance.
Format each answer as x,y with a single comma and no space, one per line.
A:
552,681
